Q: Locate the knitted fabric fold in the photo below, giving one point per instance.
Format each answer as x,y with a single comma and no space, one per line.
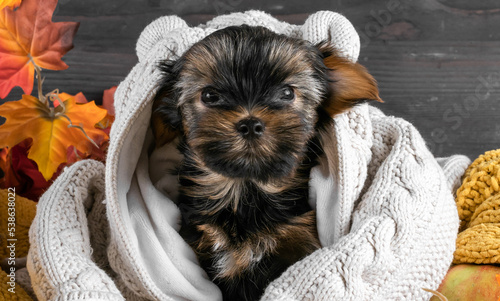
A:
386,217
396,244
62,260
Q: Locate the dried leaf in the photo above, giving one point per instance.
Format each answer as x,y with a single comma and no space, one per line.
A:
23,174
28,37
108,100
79,98
108,103
104,124
50,129
9,178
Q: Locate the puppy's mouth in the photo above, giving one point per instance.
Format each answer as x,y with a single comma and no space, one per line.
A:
251,155
249,164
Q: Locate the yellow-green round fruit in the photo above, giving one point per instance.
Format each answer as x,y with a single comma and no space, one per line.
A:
468,282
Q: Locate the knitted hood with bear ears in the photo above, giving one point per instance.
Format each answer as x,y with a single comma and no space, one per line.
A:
386,216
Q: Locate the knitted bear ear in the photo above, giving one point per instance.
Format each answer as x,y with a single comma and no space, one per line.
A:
251,18
155,32
334,28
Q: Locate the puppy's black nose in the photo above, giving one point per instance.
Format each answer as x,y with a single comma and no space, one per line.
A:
250,128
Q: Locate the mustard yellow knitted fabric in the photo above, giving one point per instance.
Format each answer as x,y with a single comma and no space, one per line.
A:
25,211
18,295
478,203
24,214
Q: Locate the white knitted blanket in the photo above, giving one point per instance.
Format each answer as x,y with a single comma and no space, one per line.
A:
386,219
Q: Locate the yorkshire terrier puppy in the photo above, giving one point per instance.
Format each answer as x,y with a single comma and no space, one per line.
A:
250,108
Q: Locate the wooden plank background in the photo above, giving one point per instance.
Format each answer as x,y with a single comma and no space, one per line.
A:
437,61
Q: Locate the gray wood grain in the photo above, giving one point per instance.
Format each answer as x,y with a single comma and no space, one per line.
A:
437,62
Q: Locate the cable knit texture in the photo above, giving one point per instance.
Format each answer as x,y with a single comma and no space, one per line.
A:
478,202
386,217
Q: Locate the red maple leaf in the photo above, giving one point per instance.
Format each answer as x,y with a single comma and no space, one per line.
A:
28,37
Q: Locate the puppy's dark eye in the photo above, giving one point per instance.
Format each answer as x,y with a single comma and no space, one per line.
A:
210,97
287,94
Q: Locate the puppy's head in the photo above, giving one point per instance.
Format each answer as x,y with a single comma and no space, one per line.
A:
248,100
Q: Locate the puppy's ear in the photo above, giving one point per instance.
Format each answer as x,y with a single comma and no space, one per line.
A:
349,83
166,118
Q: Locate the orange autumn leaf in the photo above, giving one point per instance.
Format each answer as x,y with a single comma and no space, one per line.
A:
28,37
48,127
79,98
10,3
106,122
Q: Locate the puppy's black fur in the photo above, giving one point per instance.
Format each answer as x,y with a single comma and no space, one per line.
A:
251,108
